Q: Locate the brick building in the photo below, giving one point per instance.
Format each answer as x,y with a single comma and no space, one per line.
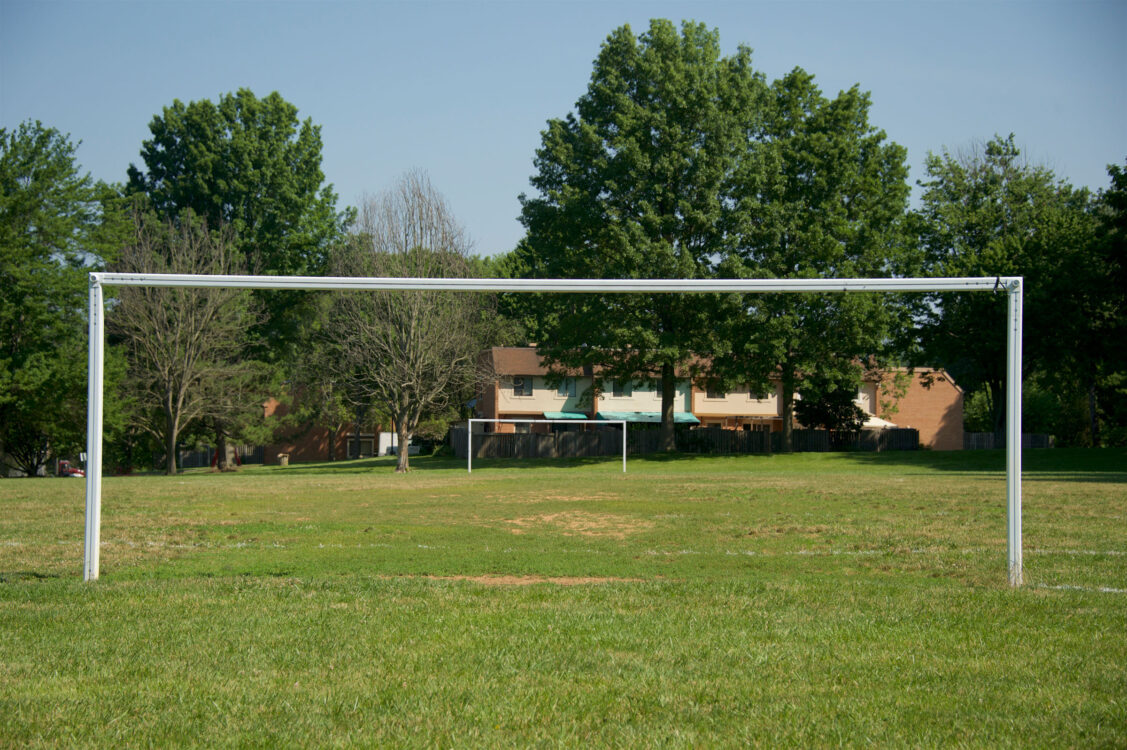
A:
310,442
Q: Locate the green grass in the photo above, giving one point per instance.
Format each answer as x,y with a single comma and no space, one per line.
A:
807,600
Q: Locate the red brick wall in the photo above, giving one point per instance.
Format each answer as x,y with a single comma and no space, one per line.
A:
303,443
933,405
487,405
512,427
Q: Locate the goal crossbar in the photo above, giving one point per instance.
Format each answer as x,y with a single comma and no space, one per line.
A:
469,432
1009,285
356,283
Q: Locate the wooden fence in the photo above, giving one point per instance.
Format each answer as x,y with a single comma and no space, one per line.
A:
193,459
568,444
989,440
642,440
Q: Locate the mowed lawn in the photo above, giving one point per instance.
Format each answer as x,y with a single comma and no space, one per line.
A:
806,600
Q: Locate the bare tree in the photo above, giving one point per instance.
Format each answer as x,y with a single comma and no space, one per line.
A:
413,353
182,345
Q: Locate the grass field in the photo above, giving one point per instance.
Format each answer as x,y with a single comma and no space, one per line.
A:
806,600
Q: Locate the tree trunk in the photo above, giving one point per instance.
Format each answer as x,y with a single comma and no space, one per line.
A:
222,450
787,394
1092,416
332,443
404,437
997,391
170,443
668,397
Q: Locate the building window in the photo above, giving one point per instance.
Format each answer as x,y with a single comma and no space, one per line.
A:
522,385
361,447
566,388
619,388
715,392
759,395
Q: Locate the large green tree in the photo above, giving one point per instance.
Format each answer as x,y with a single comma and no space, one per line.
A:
631,185
51,225
251,165
819,192
1106,309
829,403
987,212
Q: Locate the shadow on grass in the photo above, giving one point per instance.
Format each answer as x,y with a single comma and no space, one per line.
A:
26,575
1056,464
447,463
347,466
1052,464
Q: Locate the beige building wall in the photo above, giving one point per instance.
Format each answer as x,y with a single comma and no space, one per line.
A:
645,398
867,398
544,397
739,403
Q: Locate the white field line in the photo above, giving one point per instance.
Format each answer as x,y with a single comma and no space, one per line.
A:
896,551
1069,587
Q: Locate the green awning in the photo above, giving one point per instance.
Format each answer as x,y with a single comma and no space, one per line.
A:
652,417
565,415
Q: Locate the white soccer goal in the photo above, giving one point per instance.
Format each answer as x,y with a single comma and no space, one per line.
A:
469,432
1011,285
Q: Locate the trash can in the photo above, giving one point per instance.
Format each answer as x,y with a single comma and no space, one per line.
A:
283,459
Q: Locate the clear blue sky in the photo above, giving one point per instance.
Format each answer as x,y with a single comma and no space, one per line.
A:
463,89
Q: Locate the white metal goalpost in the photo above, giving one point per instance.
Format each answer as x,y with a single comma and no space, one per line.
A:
1011,285
469,432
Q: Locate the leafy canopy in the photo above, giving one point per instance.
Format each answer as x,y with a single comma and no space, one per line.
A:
631,185
53,230
828,402
819,193
250,164
987,212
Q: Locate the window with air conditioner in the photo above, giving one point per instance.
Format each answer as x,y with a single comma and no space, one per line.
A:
522,385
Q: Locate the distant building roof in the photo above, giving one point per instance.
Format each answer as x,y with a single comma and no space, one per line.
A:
523,360
519,360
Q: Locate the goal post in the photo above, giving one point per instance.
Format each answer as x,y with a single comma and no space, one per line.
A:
1011,285
469,432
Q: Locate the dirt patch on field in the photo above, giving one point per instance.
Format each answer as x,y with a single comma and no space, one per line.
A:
571,523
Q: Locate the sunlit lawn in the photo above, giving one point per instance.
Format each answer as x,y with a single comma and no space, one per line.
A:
799,600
